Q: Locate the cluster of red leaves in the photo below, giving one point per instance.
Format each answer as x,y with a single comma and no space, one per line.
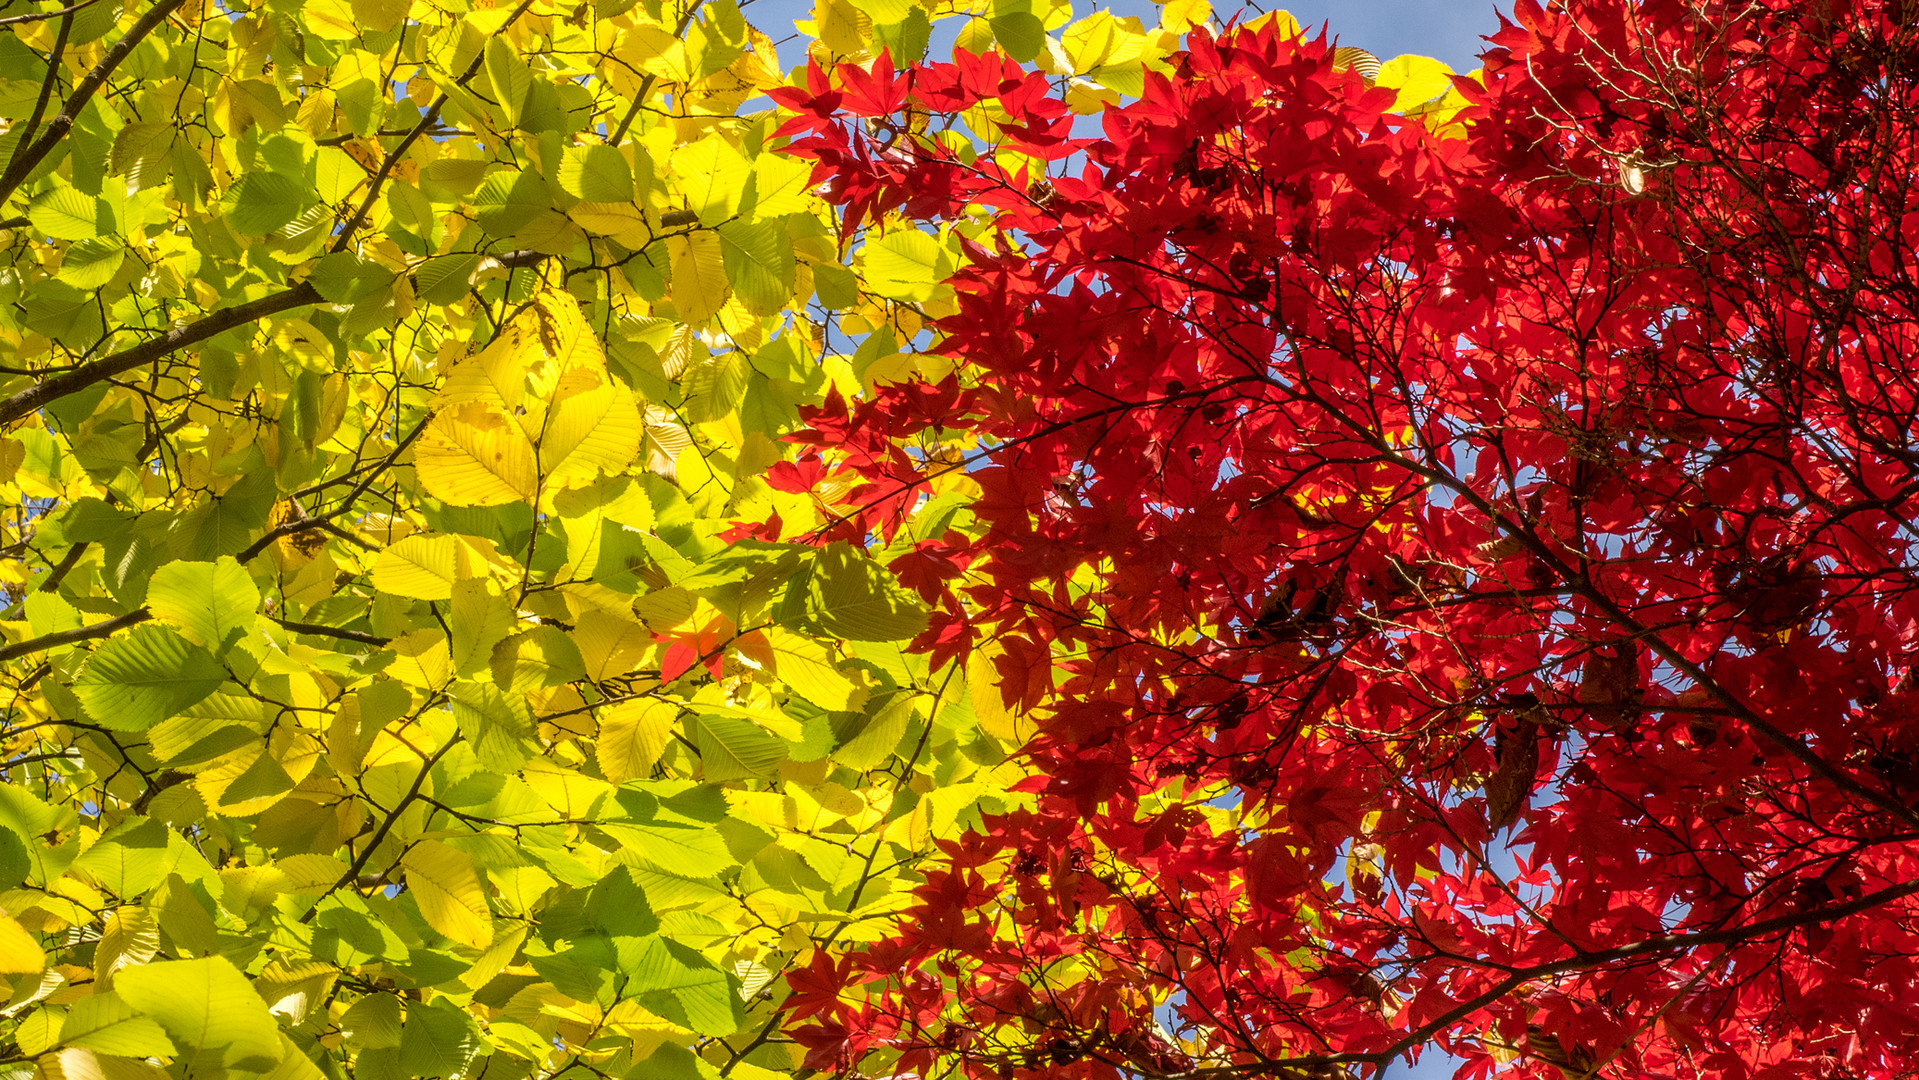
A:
1391,491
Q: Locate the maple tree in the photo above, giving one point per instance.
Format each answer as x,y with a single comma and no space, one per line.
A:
1452,551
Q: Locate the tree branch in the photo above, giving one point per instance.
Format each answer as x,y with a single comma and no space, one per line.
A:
429,120
1664,943
360,636
52,389
78,633
28,156
42,16
52,80
646,84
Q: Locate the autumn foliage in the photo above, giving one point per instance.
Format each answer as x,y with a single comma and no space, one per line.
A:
1461,569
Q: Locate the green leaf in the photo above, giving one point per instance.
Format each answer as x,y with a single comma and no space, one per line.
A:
210,1010
262,202
510,78
759,264
132,683
1020,33
733,749
213,602
508,201
851,597
130,859
107,1024
373,1022
596,173
500,729
906,264
678,836
685,987
90,264
836,286
713,387
446,279
346,278
64,213
438,1040
881,735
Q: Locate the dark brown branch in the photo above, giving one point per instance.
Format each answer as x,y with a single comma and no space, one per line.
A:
29,156
52,389
43,16
646,84
52,80
360,636
78,633
66,565
428,121
1665,943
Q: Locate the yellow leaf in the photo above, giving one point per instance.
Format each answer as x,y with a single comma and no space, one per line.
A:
1416,79
470,456
806,667
12,453
496,958
131,936
665,439
593,429
781,186
713,176
632,736
424,567
699,276
982,686
1087,97
555,325
1281,23
656,50
495,376
609,644
1100,40
380,16
80,1063
621,221
570,794
19,953
330,20
421,658
1179,16
448,891
842,29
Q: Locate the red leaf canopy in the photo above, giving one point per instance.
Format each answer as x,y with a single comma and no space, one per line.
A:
1465,585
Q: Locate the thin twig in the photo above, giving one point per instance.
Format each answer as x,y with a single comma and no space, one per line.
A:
360,636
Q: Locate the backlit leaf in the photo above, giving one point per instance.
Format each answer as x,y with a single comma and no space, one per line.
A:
449,893
133,682
212,602
208,1009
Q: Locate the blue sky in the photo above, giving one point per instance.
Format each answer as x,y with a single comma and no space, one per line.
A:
1446,29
